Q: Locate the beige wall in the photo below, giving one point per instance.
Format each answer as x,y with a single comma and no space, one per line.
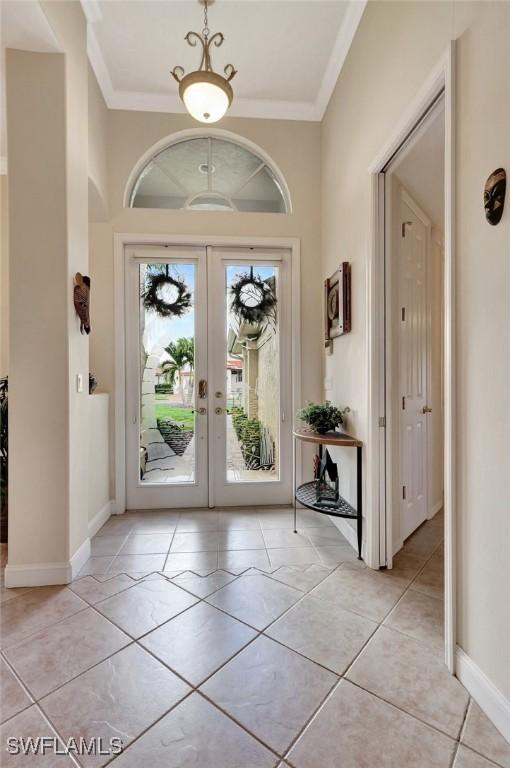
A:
294,147
38,370
47,111
4,278
483,351
99,454
396,47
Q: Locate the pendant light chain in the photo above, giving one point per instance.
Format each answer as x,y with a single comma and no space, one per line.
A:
206,29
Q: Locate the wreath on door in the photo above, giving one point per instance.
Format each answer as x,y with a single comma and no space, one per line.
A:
253,300
154,295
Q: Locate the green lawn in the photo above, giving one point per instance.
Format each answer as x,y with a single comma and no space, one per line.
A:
183,416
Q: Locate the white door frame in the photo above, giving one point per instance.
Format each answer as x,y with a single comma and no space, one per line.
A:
123,240
379,523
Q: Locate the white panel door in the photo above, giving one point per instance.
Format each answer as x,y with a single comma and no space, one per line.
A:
413,356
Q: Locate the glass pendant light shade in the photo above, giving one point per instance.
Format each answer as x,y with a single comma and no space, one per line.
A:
206,95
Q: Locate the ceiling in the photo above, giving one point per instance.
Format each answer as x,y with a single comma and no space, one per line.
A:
421,169
288,53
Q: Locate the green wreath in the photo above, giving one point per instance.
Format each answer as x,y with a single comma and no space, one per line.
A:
253,300
152,296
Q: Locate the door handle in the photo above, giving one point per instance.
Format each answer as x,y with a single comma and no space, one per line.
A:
426,409
202,411
202,389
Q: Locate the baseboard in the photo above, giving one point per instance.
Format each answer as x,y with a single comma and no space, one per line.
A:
37,574
79,558
484,692
47,574
115,509
435,508
100,518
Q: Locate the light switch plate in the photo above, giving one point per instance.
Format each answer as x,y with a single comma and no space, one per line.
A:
79,382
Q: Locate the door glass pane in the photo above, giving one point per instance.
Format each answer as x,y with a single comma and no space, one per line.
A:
252,373
167,364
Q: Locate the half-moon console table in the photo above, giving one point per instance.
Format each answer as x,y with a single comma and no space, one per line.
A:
306,493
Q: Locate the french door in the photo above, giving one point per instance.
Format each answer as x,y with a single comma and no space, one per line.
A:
208,377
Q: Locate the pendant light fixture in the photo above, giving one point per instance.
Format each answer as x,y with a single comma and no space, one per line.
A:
206,94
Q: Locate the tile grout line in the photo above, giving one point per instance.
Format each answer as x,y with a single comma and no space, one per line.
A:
259,632
35,703
458,742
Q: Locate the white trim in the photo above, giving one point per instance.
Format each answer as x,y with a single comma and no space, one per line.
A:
196,133
346,33
435,508
484,692
98,64
100,518
79,559
3,166
441,79
141,101
123,240
45,574
37,574
91,10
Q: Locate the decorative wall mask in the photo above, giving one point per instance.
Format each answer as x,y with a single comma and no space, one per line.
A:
82,300
494,196
337,299
253,300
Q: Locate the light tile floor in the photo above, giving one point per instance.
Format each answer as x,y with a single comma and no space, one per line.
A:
303,658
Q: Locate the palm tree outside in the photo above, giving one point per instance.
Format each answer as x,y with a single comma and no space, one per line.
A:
182,354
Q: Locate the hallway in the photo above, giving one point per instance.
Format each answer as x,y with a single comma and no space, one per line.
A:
287,664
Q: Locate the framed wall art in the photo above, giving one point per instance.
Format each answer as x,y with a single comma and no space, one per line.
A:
337,303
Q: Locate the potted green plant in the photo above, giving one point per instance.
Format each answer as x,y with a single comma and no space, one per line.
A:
322,417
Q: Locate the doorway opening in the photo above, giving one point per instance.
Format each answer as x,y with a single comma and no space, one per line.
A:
414,255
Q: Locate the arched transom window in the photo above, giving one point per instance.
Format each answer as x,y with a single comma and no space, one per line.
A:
212,174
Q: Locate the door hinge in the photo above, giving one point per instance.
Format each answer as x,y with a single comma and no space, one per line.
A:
283,415
404,225
382,421
403,314
404,492
403,402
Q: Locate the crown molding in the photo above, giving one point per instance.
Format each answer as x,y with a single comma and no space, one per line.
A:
346,33
255,108
91,10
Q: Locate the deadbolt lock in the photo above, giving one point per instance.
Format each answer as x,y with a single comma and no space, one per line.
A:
218,411
218,394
